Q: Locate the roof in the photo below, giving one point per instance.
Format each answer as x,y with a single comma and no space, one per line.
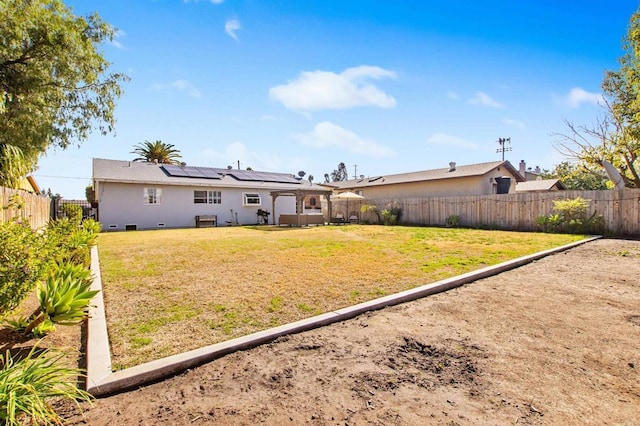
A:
29,183
119,171
540,185
428,175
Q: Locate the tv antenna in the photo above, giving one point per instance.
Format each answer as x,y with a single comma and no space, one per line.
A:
503,142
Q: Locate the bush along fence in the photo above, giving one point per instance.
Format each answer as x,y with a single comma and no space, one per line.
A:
619,210
30,207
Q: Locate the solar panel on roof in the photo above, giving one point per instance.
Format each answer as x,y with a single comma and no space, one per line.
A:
252,176
190,171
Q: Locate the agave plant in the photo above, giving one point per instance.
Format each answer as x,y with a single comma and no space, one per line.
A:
64,297
27,384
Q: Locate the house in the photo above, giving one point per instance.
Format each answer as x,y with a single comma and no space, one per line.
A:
29,184
529,173
540,185
137,195
498,177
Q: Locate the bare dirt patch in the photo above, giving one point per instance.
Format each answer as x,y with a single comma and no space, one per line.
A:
553,342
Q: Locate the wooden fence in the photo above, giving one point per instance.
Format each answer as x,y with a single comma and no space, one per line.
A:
34,208
620,209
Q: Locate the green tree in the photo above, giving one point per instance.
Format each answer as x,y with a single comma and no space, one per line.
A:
577,176
615,138
340,173
13,166
54,86
157,151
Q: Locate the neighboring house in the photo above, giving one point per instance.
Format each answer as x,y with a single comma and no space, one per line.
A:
529,173
540,185
498,177
136,195
29,184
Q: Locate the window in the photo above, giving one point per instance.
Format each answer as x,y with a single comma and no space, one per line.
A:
207,197
153,196
251,199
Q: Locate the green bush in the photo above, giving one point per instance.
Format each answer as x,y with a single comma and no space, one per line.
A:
571,216
453,221
71,241
73,212
27,386
371,208
391,216
24,261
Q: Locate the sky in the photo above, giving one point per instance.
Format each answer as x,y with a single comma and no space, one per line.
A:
383,86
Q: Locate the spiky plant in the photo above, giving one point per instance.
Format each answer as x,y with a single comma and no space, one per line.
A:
64,297
27,386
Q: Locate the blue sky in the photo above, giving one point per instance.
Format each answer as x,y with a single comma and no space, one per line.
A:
389,86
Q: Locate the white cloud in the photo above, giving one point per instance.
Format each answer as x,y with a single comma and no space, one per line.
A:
515,123
325,135
231,26
578,96
318,90
180,85
448,140
483,99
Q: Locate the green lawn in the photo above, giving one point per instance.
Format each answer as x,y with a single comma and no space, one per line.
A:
169,291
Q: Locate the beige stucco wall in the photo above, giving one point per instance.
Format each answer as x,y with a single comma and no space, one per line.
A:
470,185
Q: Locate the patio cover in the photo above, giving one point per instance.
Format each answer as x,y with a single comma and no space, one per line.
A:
299,194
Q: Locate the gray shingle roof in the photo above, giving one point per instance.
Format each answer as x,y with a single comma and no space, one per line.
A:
427,175
150,173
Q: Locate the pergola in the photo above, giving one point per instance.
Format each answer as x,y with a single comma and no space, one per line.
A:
300,194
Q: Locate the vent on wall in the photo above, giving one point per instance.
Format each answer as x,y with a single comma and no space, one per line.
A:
161,225
131,227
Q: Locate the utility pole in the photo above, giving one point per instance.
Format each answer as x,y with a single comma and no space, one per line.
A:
355,171
503,142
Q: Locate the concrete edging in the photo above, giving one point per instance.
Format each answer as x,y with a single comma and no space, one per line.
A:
102,381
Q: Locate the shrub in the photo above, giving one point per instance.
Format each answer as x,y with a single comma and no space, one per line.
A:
371,208
29,383
73,212
453,221
72,240
23,262
391,216
571,216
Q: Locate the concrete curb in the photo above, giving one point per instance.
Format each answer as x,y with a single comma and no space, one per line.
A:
101,381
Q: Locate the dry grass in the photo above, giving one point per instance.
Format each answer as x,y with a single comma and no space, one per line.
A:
170,291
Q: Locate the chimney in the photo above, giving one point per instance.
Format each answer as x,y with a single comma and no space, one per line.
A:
523,168
452,166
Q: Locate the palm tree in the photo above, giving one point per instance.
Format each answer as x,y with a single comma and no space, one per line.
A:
157,151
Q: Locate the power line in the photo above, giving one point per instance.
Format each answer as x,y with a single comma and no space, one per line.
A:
62,177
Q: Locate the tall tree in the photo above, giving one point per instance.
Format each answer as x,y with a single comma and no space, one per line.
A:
578,176
158,151
615,138
54,86
340,173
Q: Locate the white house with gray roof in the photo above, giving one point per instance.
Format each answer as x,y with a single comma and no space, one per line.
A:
137,195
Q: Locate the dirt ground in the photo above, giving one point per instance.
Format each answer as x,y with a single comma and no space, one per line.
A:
554,342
